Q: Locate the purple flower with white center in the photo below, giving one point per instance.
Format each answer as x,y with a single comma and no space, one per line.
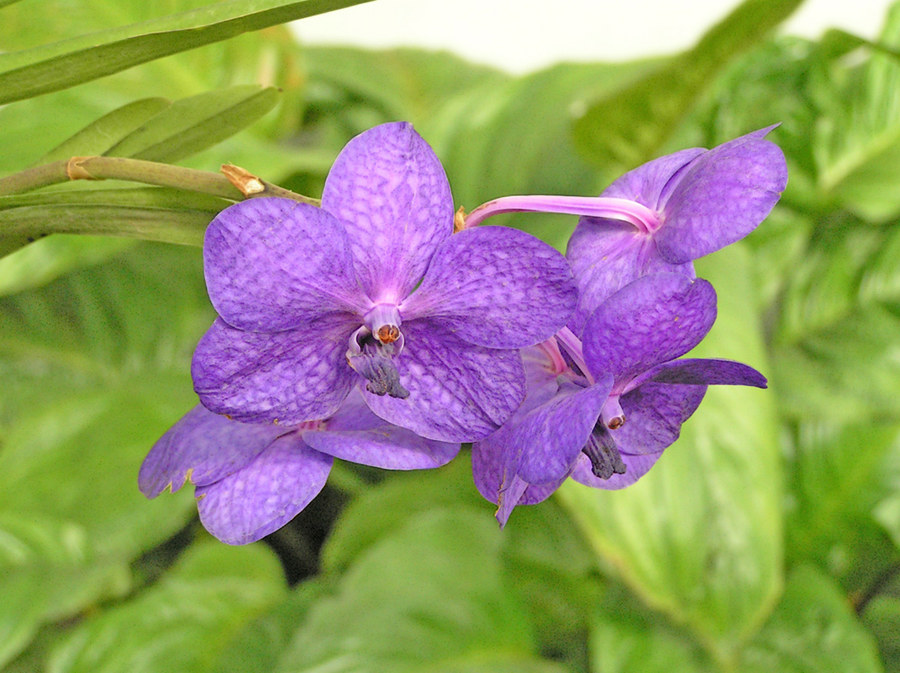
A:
603,411
252,478
663,215
374,289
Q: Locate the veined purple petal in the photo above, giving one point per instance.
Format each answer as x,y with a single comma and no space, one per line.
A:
636,466
703,372
607,255
202,447
654,319
389,190
654,413
267,493
650,183
721,197
458,392
288,377
499,483
274,264
550,436
496,287
354,433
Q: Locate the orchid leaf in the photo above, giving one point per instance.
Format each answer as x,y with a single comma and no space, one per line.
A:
69,62
630,125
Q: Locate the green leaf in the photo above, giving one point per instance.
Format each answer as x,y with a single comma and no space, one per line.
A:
630,125
858,141
63,64
812,629
98,136
193,124
182,623
699,537
426,597
882,618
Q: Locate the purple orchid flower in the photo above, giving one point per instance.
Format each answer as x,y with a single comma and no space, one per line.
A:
252,478
663,215
603,411
374,288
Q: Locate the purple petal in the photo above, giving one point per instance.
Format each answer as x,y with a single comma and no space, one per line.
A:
550,436
274,264
458,392
635,467
653,320
390,192
650,183
704,372
496,287
202,447
266,494
654,413
721,197
354,433
289,377
607,255
500,484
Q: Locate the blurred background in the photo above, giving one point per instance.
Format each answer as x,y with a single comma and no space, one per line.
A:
766,539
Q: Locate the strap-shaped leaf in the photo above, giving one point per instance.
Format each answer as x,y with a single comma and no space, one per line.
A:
193,124
631,124
63,64
99,136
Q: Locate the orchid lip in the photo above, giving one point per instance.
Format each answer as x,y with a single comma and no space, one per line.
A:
603,453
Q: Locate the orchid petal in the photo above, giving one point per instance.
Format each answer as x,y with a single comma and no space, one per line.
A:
703,372
607,255
652,320
654,414
389,190
636,466
267,493
201,448
721,197
288,377
354,433
274,264
496,287
458,392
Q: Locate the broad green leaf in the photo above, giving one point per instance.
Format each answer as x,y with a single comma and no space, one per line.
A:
98,136
858,141
837,474
812,629
888,515
882,618
182,623
428,596
63,64
699,537
629,125
626,641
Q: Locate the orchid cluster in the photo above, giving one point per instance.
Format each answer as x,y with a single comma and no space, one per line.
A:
382,329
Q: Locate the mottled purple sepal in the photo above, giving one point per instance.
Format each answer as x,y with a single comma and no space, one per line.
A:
457,392
722,196
273,264
267,493
201,448
705,372
636,466
389,190
496,287
289,377
654,414
652,320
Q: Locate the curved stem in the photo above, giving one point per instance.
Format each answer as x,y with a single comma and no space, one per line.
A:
147,172
625,210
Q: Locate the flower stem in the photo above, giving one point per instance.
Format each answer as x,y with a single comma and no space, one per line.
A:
625,210
138,170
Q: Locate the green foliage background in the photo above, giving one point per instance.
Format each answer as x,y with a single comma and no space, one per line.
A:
766,539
